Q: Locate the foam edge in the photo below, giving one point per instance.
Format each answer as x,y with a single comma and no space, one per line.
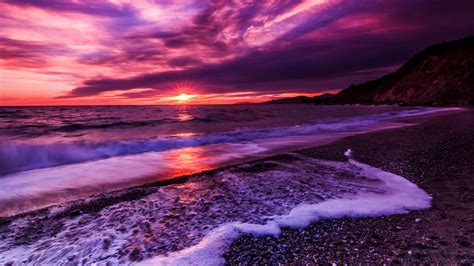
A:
401,197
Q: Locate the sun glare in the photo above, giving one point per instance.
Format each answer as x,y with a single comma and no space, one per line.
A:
183,98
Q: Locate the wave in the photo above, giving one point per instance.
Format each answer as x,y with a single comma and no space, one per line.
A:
77,127
15,114
400,196
44,129
17,156
194,222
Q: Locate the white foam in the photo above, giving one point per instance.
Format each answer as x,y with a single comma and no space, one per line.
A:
401,196
348,153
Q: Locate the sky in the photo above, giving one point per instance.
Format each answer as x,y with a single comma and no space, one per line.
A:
85,52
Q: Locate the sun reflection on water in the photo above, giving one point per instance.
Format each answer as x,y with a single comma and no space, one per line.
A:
184,134
188,160
184,115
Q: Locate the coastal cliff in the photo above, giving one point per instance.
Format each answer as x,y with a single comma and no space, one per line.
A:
442,74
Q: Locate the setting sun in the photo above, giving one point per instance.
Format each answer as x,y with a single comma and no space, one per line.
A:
183,98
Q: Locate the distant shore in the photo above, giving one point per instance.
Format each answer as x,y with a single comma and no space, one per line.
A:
438,156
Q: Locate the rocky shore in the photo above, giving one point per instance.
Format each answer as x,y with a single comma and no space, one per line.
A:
438,156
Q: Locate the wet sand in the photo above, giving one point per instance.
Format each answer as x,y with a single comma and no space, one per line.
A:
438,156
157,220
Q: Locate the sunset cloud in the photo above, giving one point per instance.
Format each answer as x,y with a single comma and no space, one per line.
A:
139,50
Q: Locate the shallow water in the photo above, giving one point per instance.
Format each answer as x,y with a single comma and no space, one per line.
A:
42,137
100,151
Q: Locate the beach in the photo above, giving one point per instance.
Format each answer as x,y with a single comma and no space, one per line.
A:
236,132
438,156
169,220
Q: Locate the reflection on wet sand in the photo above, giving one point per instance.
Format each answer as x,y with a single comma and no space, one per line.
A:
45,187
187,161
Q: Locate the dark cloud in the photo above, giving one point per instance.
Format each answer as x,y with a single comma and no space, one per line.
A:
184,61
139,53
271,69
140,94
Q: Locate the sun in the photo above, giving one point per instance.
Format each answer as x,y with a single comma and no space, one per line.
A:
183,98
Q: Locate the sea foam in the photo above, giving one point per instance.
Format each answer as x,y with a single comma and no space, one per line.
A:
400,196
195,222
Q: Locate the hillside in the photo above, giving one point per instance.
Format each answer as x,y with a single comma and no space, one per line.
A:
442,74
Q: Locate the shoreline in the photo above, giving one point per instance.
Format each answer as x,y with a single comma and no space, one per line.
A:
270,147
95,202
435,154
329,151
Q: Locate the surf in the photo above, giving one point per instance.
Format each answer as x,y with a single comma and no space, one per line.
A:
19,156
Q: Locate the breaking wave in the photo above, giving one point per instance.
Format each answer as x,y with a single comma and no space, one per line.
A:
19,156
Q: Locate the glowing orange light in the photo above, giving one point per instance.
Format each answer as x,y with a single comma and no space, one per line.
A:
183,98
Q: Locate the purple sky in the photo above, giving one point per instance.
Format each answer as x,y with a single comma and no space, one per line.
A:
87,51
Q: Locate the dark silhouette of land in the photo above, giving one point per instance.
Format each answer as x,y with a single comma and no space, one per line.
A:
442,74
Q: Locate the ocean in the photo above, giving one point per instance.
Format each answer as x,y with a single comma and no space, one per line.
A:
50,155
86,164
42,137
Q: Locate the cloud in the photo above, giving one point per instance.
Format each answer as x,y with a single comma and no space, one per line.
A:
143,48
271,69
346,45
27,54
89,7
183,61
140,94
